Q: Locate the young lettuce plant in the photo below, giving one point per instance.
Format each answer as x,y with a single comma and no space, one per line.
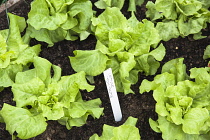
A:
15,55
180,18
52,21
182,101
127,131
41,97
126,46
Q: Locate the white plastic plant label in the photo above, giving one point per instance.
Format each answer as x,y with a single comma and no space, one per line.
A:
109,79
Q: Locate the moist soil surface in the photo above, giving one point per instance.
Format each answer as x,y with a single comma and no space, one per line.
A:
141,106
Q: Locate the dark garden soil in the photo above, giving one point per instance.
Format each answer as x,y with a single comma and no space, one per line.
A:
141,106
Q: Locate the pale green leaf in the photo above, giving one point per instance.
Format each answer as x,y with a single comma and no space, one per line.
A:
106,23
93,62
194,120
7,75
126,131
26,93
23,122
41,17
189,8
171,131
176,67
190,26
201,75
167,30
48,36
82,10
151,12
207,52
166,8
159,52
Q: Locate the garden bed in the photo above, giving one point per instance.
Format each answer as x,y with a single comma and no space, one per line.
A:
141,106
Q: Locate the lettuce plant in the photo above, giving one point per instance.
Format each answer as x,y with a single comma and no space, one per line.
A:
179,17
41,96
127,131
52,21
182,101
15,54
126,46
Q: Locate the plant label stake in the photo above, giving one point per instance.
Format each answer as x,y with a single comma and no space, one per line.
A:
109,79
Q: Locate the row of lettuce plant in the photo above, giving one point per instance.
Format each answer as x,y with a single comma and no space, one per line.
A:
125,45
54,20
39,95
179,113
182,101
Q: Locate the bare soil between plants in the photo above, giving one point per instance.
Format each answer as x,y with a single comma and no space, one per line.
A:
141,106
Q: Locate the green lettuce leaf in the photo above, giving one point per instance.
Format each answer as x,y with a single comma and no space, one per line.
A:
122,66
127,131
191,26
151,12
77,113
105,23
188,8
205,3
69,88
177,68
148,62
194,120
167,8
134,3
102,4
7,75
201,75
167,30
93,62
22,121
206,54
48,36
